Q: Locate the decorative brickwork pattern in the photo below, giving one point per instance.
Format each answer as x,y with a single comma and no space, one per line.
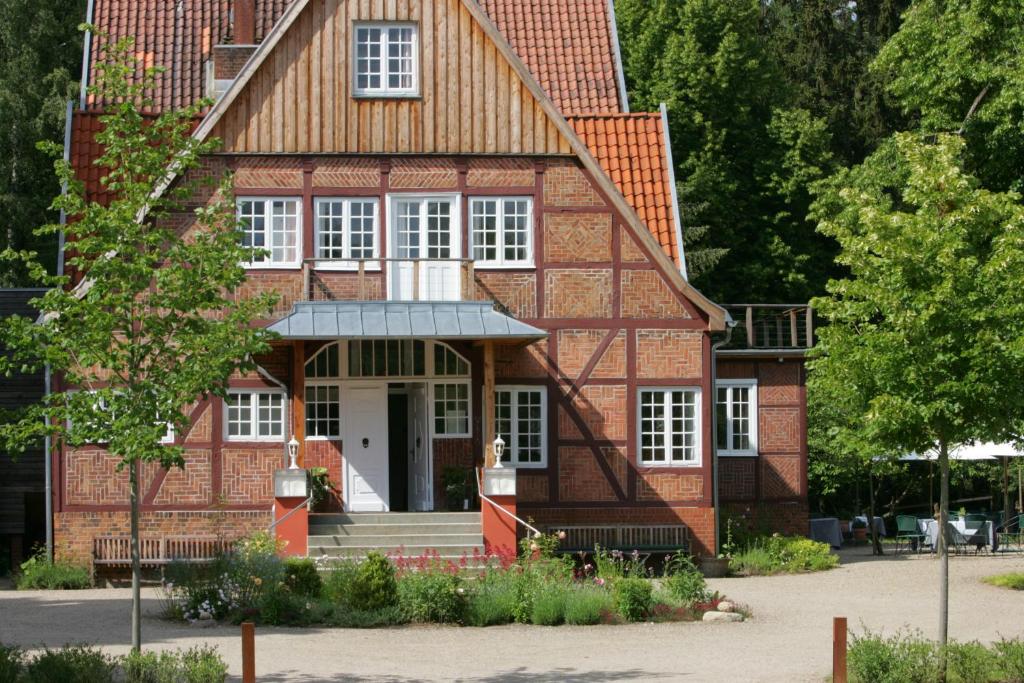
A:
286,283
779,429
327,454
500,173
92,478
572,237
202,428
192,485
248,477
450,453
645,294
580,477
279,172
737,478
613,363
670,486
629,251
513,362
603,409
668,353
334,286
780,476
576,348
778,383
531,488
347,172
421,172
578,293
566,185
514,292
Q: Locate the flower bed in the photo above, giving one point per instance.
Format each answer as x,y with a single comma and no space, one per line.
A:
783,555
481,590
82,663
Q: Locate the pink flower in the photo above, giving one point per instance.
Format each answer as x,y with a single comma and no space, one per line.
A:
599,581
561,535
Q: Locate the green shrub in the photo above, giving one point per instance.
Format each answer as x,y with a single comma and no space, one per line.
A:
338,584
971,663
633,598
684,582
197,665
302,577
285,608
1010,654
549,605
872,658
12,661
356,618
433,597
374,586
72,663
1014,580
776,554
493,600
37,572
587,605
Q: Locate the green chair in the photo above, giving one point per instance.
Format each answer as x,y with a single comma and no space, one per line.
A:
1011,533
907,530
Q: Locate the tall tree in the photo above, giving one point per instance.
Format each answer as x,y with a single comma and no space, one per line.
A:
40,53
158,324
925,341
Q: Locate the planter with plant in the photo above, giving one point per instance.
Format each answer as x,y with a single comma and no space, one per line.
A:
456,490
860,530
717,566
325,492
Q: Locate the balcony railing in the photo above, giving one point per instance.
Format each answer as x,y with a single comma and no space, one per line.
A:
391,279
771,326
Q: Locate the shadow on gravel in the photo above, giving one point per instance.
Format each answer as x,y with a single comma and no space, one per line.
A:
562,675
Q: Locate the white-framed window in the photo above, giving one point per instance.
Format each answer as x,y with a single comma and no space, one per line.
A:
502,230
323,411
669,426
736,416
273,226
255,415
521,420
386,60
99,405
451,409
346,230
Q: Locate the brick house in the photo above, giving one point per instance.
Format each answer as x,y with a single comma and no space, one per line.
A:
476,245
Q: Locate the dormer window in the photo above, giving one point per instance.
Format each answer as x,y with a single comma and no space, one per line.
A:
386,60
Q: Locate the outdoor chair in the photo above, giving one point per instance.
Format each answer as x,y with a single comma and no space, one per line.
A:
979,538
1011,533
906,530
955,539
974,520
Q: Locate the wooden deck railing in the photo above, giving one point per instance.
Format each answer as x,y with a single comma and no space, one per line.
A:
408,279
772,326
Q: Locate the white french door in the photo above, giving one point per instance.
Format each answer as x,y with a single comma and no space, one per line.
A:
420,493
427,228
365,446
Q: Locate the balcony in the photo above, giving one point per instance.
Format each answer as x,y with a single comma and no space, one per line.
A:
389,279
771,327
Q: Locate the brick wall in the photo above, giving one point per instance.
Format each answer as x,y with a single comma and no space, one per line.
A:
572,237
228,60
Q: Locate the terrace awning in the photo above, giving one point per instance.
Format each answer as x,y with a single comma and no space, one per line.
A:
466,320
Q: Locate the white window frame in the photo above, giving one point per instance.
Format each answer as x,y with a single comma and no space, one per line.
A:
666,392
501,261
384,90
254,436
511,448
316,384
168,437
752,416
269,232
468,433
346,261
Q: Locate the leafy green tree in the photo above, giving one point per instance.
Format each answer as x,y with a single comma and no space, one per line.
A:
924,348
157,324
40,53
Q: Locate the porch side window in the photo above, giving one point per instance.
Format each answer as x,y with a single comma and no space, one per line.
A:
254,416
669,428
521,422
386,60
346,229
451,409
502,229
323,411
270,229
386,358
735,413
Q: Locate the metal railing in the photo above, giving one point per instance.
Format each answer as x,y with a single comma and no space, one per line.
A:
485,498
303,504
771,326
396,279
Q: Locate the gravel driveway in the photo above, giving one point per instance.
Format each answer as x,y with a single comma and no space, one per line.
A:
789,638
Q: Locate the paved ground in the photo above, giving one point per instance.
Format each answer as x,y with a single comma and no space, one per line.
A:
789,638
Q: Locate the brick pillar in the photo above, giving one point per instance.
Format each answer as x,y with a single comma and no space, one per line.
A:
499,528
290,512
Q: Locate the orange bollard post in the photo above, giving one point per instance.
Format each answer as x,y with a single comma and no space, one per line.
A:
248,652
839,650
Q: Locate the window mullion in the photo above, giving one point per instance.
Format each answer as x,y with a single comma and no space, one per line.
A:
514,426
666,396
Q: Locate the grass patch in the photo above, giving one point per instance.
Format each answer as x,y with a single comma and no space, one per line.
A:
1013,580
783,555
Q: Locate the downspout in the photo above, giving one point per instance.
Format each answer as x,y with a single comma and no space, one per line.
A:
729,324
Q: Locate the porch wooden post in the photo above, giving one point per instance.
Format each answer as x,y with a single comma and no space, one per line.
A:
488,401
298,399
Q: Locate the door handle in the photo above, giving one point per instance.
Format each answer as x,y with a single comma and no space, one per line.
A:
366,442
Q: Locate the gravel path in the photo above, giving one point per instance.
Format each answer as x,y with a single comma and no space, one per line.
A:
789,638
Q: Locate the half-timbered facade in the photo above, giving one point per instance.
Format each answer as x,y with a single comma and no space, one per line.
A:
476,246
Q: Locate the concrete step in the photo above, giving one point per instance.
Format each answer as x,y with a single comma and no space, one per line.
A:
355,518
428,529
397,540
453,552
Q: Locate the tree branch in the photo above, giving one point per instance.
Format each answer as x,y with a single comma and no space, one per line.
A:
974,107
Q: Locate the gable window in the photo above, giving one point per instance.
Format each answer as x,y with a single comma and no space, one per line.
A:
735,410
502,230
386,59
254,416
521,422
669,427
346,229
270,226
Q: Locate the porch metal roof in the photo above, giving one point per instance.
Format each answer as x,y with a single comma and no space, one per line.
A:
402,319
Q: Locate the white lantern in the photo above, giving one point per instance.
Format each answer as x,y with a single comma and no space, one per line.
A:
293,453
499,450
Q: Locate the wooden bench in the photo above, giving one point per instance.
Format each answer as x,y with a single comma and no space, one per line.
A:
115,551
664,538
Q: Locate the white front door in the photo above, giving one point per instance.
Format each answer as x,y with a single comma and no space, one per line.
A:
420,493
365,447
424,228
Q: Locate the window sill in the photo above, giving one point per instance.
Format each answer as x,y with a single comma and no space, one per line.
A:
253,439
323,438
272,266
669,465
387,96
483,265
344,267
737,454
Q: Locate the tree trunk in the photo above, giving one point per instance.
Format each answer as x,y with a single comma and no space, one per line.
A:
876,542
943,556
133,473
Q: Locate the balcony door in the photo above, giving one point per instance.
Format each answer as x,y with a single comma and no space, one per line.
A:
425,243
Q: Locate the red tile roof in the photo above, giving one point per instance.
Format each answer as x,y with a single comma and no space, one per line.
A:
632,151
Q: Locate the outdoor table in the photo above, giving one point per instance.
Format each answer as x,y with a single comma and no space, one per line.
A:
930,528
826,530
879,524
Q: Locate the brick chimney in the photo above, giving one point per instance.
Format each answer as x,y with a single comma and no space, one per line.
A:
227,59
244,28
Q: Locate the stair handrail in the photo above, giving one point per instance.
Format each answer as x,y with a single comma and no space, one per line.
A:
483,497
270,529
